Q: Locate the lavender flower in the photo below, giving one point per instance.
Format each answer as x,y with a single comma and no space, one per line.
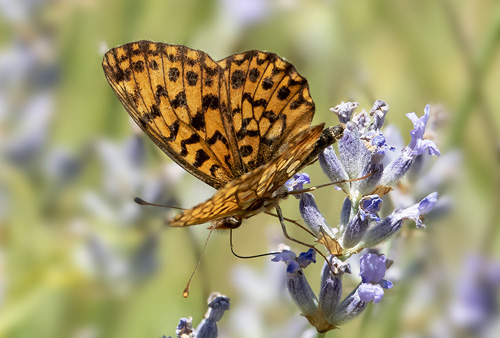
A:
218,304
476,297
384,229
308,208
185,328
362,160
300,290
345,110
372,272
418,146
327,311
379,111
245,12
208,326
297,182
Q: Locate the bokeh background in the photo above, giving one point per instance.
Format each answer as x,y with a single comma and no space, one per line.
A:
79,259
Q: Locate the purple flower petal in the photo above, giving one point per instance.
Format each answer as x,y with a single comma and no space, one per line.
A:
417,143
290,259
297,182
306,258
370,206
381,145
423,207
345,110
379,111
372,268
370,292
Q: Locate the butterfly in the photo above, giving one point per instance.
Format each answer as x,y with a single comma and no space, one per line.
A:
241,125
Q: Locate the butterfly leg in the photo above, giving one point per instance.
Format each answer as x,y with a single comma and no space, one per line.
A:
283,227
293,222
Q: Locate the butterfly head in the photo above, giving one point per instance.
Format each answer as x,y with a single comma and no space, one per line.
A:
230,222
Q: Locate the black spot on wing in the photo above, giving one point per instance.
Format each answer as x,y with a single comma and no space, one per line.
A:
139,66
267,83
210,71
268,114
190,62
253,75
160,92
237,79
261,61
239,62
213,169
194,138
210,101
246,150
155,111
298,102
200,158
174,129
179,100
260,103
153,65
257,103
283,93
173,74
217,136
192,78
198,121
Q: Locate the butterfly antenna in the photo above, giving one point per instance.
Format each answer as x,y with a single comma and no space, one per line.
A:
185,293
140,201
247,257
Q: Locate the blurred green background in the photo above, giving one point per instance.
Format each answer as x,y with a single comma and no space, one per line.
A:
79,259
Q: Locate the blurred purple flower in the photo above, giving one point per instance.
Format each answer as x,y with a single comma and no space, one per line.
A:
185,328
476,300
245,12
218,304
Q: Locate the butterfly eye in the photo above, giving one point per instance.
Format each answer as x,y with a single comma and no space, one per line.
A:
231,222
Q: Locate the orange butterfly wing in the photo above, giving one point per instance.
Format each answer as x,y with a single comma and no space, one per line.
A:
251,193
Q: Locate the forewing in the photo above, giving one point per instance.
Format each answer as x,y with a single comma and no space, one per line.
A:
174,94
269,104
240,196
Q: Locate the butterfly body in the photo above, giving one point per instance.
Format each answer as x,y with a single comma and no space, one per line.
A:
241,124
